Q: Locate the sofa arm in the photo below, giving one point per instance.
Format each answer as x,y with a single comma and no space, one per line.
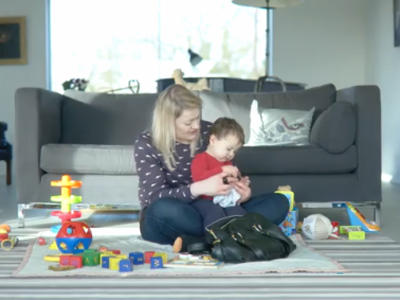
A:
37,122
366,101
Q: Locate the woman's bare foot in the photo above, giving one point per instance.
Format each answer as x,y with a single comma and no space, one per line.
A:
177,246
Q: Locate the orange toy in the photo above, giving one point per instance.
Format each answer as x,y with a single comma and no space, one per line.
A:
6,242
66,198
5,227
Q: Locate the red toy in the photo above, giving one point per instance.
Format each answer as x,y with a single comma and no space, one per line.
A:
71,260
41,241
147,256
6,242
74,237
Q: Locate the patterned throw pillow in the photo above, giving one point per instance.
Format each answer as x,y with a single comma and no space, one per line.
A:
273,126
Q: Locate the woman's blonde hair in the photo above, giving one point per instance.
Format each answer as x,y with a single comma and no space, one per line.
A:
168,107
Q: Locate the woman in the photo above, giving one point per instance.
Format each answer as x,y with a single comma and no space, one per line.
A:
163,159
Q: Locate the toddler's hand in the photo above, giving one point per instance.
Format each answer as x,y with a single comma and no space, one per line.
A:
231,171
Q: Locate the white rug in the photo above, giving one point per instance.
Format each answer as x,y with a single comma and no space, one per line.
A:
303,259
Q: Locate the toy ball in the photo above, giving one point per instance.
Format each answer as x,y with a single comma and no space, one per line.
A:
74,237
5,228
316,227
41,241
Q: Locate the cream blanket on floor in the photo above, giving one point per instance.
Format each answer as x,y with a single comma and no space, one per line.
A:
303,259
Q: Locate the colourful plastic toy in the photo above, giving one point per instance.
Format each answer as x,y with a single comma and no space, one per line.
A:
125,265
344,229
163,256
288,226
357,219
52,258
90,257
6,242
41,241
114,261
71,260
356,235
105,262
147,256
156,262
137,258
73,237
66,198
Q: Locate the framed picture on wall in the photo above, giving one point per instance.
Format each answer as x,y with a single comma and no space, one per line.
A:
396,19
12,41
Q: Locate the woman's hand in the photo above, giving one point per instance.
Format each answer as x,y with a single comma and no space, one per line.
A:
213,185
243,188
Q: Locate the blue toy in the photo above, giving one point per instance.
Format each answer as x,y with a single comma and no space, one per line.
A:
105,262
137,258
156,262
125,265
73,237
288,226
356,218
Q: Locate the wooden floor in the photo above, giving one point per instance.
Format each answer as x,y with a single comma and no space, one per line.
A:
374,266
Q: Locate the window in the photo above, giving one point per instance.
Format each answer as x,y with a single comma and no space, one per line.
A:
110,42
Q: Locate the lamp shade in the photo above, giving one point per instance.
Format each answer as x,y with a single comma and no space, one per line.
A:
265,3
194,58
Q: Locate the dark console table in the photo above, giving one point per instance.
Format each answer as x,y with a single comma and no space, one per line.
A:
225,84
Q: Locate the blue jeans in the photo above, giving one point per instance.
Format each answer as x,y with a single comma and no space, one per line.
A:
167,218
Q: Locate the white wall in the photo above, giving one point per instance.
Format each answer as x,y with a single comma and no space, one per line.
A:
321,41
383,69
34,72
345,42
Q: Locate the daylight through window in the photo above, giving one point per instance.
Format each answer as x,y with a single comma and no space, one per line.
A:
110,42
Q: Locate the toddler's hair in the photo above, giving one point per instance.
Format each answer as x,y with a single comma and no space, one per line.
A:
223,127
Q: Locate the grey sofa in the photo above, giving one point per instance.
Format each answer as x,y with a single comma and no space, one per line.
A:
90,137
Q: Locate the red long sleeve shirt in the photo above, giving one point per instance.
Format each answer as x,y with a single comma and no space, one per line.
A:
204,165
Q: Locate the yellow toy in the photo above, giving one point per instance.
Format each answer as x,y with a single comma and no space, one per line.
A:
200,85
357,219
288,225
6,242
287,191
66,198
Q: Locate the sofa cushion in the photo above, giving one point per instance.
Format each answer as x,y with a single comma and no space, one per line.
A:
275,126
258,160
237,105
87,159
335,128
215,105
109,119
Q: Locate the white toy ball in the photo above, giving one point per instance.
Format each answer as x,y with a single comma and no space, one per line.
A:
316,227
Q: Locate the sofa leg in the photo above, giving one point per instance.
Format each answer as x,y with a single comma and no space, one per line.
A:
377,215
8,172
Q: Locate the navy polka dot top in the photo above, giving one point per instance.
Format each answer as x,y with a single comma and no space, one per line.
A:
155,179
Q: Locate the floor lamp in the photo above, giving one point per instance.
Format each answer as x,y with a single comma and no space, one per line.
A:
269,6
